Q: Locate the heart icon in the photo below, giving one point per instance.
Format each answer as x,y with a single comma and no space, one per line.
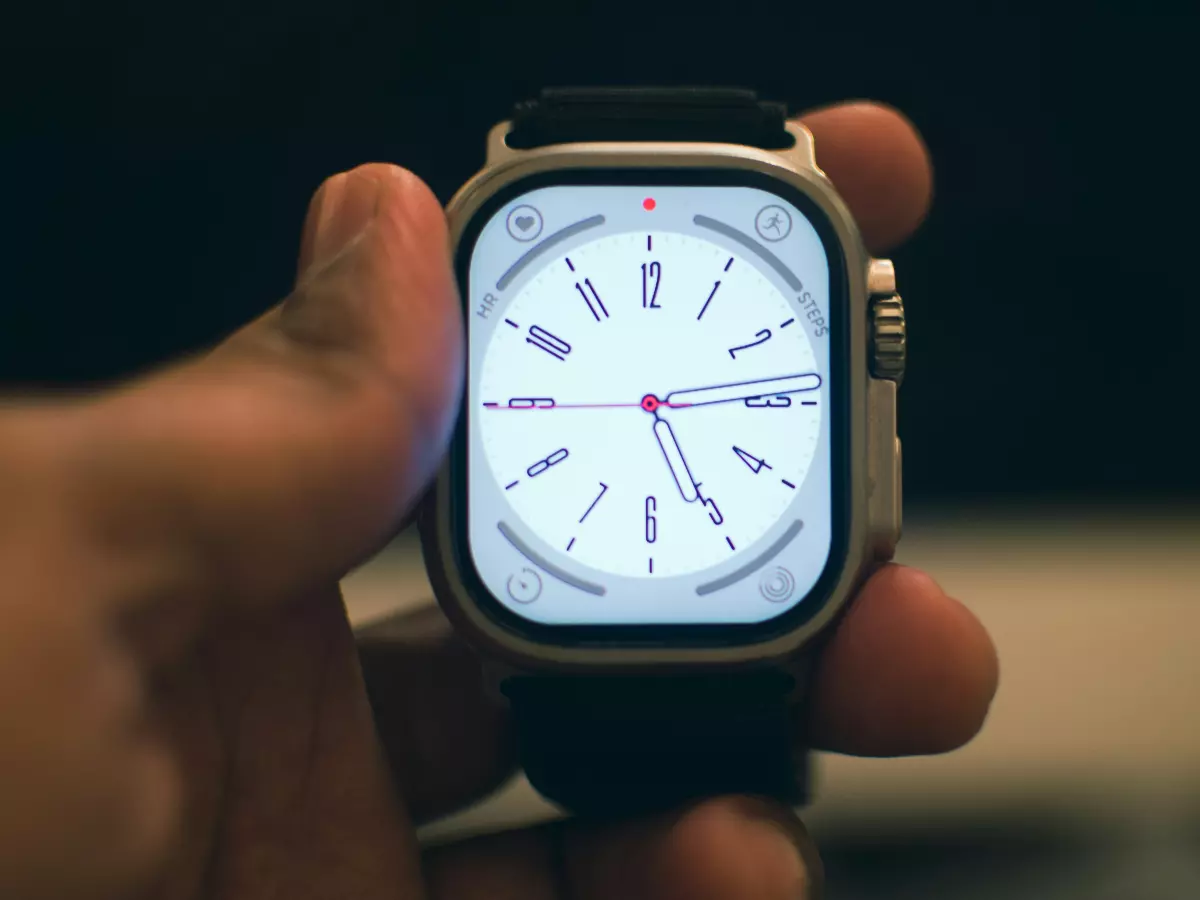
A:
524,223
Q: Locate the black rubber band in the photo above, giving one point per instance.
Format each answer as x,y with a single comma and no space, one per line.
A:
615,746
712,115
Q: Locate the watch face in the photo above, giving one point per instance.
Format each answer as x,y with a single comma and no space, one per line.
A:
652,406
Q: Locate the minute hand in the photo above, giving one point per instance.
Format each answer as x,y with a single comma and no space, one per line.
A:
744,390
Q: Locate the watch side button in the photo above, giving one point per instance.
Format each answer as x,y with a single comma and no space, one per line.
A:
883,469
881,277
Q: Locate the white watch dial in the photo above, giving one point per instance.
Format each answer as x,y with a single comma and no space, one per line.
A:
648,405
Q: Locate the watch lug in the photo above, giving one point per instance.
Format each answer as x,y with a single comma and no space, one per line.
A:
494,673
801,154
883,469
497,147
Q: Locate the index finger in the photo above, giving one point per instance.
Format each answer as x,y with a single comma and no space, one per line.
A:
879,164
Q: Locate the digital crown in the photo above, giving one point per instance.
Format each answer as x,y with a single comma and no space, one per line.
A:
888,337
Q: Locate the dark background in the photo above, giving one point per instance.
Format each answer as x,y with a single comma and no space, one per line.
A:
158,164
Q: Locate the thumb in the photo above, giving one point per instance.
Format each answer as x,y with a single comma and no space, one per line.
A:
289,453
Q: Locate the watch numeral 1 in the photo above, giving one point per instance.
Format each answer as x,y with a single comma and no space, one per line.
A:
544,340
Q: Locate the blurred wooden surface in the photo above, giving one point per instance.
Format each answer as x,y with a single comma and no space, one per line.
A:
1096,618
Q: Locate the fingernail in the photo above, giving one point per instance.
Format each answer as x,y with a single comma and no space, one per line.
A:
341,211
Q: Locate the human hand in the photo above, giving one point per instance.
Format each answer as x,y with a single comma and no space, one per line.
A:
183,712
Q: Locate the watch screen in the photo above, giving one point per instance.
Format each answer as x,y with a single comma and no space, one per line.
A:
650,402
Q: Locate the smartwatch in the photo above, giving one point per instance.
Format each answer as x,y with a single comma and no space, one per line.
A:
676,458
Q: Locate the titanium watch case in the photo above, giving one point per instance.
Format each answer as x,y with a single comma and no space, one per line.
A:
876,352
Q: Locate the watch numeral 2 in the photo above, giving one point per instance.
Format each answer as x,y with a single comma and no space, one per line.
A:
761,335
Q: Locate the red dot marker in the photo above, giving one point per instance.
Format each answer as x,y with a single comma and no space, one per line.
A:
650,403
648,204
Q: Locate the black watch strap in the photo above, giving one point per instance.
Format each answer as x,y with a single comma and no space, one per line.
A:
619,745
713,115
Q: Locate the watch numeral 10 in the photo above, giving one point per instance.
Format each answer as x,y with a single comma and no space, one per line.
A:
544,340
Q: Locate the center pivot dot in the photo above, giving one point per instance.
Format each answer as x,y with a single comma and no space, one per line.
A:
650,403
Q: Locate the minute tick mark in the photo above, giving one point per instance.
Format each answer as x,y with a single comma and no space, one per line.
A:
788,483
570,545
729,541
728,264
570,265
511,484
512,323
787,323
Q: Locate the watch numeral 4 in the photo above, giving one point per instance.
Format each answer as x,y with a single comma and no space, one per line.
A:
755,464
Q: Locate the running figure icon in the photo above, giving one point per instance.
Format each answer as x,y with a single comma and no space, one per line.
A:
773,223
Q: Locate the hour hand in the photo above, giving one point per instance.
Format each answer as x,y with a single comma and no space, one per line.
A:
744,390
675,461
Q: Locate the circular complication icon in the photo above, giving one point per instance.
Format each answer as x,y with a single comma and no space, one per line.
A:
777,584
524,222
525,586
773,223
